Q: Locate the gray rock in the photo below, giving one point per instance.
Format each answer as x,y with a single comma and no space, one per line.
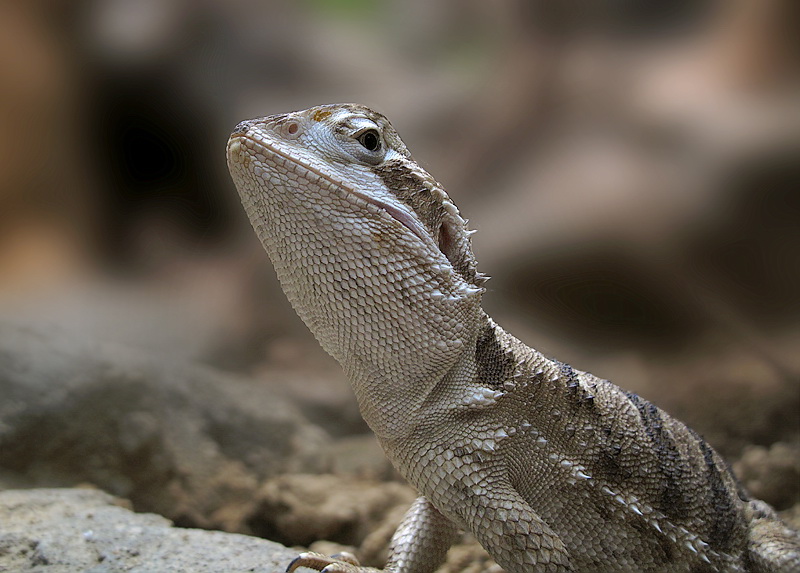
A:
183,441
68,530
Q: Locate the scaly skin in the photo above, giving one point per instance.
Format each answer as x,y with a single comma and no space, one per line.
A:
552,469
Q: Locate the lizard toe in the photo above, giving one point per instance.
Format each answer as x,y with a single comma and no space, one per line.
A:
339,563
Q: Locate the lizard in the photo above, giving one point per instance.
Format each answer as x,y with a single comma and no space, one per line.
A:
552,469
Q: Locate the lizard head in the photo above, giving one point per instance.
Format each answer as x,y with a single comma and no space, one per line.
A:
370,250
374,165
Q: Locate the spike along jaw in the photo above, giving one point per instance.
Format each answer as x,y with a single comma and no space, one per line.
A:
368,247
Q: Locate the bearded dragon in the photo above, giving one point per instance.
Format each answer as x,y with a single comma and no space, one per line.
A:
552,469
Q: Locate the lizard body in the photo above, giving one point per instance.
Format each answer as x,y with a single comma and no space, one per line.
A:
552,469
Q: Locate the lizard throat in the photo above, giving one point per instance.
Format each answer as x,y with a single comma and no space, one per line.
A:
395,212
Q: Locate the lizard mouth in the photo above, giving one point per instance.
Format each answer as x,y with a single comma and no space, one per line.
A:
400,216
395,212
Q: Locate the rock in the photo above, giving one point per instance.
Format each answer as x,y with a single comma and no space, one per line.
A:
66,530
469,557
299,509
360,456
322,394
183,441
771,474
331,514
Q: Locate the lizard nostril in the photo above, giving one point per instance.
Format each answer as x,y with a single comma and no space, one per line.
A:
242,127
292,128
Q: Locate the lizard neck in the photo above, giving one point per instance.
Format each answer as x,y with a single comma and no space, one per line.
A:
396,395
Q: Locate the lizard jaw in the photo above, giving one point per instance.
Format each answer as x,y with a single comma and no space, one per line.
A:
396,212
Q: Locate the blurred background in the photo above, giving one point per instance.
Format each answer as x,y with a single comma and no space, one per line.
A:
632,167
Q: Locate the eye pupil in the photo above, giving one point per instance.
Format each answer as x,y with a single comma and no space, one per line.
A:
369,139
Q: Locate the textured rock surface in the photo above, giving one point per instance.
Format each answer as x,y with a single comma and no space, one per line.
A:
59,530
183,441
300,509
772,474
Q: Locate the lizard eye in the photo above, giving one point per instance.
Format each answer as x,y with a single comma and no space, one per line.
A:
370,140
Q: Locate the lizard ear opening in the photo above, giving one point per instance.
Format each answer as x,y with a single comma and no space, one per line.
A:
447,243
453,242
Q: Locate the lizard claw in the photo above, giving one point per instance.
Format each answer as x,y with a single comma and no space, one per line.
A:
339,563
347,557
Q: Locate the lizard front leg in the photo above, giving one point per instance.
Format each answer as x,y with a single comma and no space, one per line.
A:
513,533
418,546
